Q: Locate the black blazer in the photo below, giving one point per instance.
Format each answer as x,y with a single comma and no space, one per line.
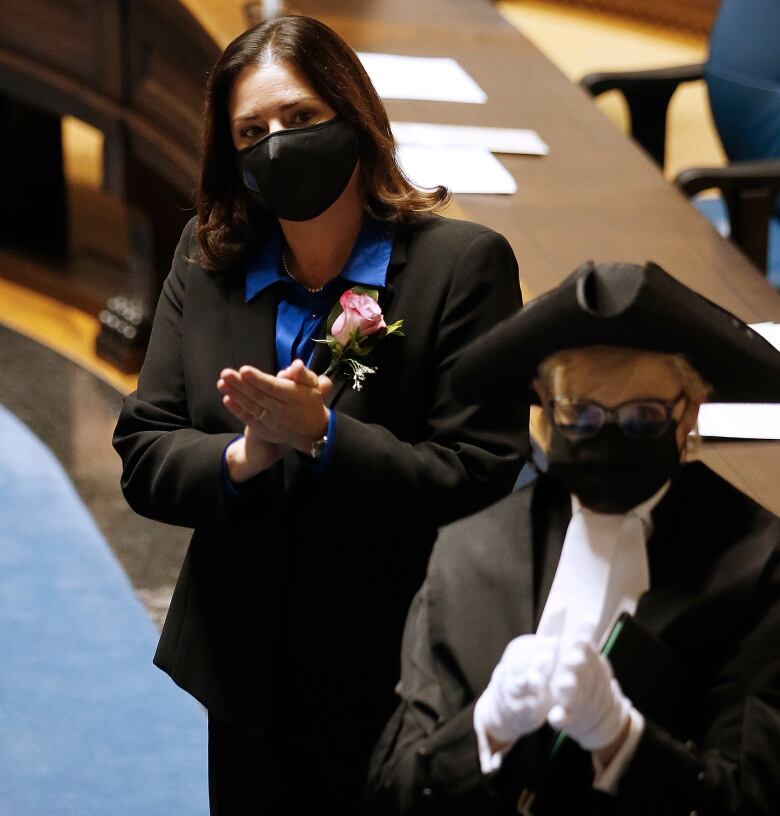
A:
714,600
298,592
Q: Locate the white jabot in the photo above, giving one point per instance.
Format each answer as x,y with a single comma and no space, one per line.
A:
602,571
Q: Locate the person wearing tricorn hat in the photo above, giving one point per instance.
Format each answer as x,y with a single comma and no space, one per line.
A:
605,640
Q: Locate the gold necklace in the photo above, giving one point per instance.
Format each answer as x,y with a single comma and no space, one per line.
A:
292,277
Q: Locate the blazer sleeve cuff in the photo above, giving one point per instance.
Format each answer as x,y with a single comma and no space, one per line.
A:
680,765
231,487
490,761
608,776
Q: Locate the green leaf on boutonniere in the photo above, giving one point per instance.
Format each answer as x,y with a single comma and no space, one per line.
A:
395,328
332,317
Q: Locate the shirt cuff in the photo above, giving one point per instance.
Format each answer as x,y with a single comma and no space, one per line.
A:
320,465
489,760
608,776
231,488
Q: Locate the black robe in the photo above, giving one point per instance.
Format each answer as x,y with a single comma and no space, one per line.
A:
714,601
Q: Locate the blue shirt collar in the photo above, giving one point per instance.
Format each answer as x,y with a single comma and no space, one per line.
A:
367,265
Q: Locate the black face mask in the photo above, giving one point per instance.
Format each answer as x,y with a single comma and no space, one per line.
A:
297,174
611,472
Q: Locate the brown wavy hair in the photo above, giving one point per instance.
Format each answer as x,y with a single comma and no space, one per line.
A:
230,223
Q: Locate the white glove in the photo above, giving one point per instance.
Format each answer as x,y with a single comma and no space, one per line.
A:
588,703
517,698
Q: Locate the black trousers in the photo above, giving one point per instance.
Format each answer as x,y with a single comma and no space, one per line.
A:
292,774
239,775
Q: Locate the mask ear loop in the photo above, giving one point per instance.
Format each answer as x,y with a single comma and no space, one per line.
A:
692,441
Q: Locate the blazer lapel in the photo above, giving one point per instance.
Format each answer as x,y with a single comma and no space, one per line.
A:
321,358
319,364
253,329
340,381
322,354
526,566
668,553
659,608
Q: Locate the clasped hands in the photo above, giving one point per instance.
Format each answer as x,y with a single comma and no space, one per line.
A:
572,688
283,411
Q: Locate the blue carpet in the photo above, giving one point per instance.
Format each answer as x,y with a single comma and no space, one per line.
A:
714,210
88,726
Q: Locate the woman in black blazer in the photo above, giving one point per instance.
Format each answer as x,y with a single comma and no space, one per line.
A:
315,499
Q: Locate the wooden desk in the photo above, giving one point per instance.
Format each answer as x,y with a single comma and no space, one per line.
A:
595,196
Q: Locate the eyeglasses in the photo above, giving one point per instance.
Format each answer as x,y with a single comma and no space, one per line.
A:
638,419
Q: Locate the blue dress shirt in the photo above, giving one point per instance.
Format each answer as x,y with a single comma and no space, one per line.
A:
300,313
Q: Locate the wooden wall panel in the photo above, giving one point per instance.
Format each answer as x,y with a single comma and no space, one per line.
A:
169,59
136,69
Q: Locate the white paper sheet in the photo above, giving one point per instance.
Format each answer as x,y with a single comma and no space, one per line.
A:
740,420
440,79
497,140
769,331
462,169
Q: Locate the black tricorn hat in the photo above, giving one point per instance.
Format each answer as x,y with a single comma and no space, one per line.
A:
620,304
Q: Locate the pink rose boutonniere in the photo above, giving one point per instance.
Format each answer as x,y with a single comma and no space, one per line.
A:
355,326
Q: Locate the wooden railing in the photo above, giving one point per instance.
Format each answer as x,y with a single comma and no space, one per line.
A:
133,68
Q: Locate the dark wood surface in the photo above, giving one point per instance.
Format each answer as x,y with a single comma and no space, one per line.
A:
597,195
